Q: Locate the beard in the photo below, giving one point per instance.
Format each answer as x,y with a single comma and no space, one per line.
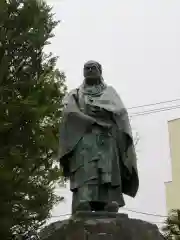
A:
92,80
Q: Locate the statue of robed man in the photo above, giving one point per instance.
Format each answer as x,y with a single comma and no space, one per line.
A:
96,146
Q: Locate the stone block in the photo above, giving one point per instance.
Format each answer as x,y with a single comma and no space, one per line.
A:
104,226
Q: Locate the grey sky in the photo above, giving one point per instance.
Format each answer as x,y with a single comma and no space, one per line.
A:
138,44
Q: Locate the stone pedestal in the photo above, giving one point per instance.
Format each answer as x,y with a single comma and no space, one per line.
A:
104,226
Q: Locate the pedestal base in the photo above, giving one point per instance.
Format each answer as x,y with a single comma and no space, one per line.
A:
104,226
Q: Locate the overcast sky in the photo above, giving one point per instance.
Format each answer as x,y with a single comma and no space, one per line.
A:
138,45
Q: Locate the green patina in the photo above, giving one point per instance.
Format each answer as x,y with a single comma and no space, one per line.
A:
96,147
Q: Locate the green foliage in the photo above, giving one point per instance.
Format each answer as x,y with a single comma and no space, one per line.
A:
171,230
31,92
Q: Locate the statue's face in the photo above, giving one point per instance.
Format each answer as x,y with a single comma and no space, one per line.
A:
92,71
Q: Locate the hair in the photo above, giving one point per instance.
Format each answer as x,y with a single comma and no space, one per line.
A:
98,65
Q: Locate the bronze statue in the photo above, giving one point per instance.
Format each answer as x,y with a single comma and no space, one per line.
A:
96,145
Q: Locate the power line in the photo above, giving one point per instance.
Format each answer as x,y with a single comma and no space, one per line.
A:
153,104
157,222
61,215
157,109
152,111
127,209
145,213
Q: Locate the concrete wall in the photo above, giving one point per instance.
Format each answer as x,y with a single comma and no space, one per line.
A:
173,187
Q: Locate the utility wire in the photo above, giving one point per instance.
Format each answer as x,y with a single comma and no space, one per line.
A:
145,213
143,220
61,215
154,104
157,109
152,111
127,209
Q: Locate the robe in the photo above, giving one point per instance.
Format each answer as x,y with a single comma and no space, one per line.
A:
96,147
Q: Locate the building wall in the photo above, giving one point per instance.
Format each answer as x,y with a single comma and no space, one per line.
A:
173,187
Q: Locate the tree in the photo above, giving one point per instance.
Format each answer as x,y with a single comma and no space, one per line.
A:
171,230
31,92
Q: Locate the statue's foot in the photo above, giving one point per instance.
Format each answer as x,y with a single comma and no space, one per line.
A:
83,206
112,207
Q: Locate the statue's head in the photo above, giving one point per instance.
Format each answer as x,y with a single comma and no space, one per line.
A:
92,72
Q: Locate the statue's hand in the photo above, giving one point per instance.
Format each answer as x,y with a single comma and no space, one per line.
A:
93,110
